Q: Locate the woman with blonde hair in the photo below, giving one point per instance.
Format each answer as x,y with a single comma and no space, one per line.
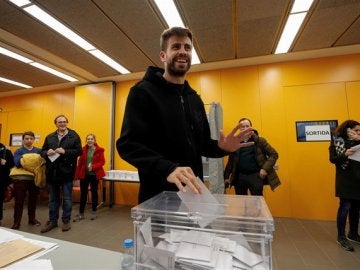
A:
90,170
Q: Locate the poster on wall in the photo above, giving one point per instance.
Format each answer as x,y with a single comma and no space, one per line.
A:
315,131
16,139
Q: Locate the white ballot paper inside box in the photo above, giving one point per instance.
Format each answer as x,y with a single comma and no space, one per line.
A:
205,205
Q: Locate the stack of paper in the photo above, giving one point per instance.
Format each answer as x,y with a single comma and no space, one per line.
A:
18,252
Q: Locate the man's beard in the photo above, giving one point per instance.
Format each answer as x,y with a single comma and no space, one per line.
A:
172,70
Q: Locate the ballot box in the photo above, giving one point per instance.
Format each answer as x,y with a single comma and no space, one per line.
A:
229,232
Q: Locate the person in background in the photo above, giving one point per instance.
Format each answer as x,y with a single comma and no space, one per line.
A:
25,183
6,163
90,170
60,150
165,129
347,181
249,168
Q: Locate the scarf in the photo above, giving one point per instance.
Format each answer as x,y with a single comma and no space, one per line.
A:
340,149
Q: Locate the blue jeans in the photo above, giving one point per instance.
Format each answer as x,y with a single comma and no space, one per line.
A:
54,201
347,208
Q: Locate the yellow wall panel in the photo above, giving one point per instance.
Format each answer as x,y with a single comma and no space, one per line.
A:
93,111
240,96
322,70
353,97
309,166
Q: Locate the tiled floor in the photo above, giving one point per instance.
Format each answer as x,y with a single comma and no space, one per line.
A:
297,244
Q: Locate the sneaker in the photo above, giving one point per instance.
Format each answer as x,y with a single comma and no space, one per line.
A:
78,217
34,222
354,238
344,243
66,227
93,215
49,226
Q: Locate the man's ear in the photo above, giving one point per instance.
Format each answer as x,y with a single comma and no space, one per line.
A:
162,56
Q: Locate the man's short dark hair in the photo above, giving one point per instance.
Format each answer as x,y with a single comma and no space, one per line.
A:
28,133
61,115
174,31
243,119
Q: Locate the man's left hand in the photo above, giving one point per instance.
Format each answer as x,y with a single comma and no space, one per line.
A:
234,140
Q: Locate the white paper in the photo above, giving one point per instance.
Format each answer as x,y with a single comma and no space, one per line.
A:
205,205
165,258
43,264
54,157
145,230
6,236
356,155
194,252
246,256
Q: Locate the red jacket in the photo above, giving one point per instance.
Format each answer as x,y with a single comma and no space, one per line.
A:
97,164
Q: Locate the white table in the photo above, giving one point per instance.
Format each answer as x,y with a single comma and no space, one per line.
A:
73,256
112,190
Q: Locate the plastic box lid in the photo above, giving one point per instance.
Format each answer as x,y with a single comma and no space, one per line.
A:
231,213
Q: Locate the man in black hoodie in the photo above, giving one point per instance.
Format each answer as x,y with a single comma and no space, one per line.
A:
165,129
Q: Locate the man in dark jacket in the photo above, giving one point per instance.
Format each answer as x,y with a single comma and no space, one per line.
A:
165,129
6,163
60,149
249,168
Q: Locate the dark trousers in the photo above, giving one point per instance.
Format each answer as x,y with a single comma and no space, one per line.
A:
20,189
348,207
3,187
84,186
249,182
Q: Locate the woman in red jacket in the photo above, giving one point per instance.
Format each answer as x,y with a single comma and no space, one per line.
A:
89,170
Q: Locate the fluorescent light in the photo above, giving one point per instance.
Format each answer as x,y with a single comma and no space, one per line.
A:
63,30
53,71
35,64
296,17
110,62
172,18
291,28
20,3
15,55
50,21
170,13
301,6
14,82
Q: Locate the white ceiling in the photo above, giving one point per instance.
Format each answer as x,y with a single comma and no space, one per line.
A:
230,32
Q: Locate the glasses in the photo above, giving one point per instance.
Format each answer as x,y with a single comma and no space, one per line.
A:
61,122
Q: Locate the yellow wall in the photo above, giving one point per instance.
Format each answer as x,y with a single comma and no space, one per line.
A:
35,112
274,96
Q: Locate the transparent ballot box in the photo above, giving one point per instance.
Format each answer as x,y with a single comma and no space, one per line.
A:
231,232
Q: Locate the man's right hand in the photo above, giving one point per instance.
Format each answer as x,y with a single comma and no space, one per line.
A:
184,176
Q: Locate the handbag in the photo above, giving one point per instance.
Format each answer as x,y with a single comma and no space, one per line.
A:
9,193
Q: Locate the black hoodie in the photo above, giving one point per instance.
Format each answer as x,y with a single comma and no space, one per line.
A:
164,126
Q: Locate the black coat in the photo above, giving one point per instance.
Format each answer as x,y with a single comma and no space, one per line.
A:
63,168
5,169
347,180
164,126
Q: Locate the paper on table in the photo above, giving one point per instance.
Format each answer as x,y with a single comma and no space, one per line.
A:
43,264
356,155
6,236
16,250
54,157
165,258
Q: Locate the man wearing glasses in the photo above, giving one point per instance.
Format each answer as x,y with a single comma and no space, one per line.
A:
61,150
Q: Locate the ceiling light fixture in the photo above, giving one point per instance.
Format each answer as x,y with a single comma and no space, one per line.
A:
296,17
172,18
63,30
14,82
36,64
